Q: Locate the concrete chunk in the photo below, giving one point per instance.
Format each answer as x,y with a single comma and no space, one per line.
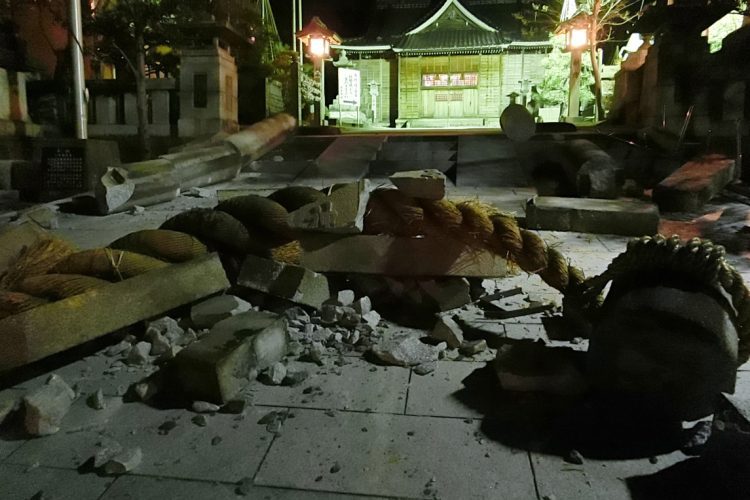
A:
47,406
124,462
693,184
342,213
401,349
425,184
208,313
285,281
624,217
531,367
447,330
218,366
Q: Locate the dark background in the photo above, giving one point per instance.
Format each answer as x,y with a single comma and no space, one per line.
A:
348,18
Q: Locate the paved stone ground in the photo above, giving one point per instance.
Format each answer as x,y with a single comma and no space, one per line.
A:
368,432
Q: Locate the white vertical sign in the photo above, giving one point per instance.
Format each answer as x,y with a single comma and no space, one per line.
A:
349,86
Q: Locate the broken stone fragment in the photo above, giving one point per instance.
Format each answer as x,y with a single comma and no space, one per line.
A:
218,366
139,353
200,420
286,281
124,462
235,406
204,407
96,400
473,347
371,319
295,377
316,352
426,184
446,329
296,313
425,368
169,328
275,374
345,297
145,391
363,305
118,349
350,318
47,406
108,449
208,313
407,350
330,314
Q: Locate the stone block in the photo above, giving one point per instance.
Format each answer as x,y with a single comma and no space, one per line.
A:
695,183
287,281
9,402
397,256
47,406
342,213
624,217
206,314
218,366
426,184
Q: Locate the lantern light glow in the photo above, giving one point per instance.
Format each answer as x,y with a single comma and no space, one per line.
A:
577,38
319,47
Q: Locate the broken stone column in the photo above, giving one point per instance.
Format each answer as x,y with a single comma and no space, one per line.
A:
219,365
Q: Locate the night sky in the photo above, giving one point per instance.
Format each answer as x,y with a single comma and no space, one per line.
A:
346,17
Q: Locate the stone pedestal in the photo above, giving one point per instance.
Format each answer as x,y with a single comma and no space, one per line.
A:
208,92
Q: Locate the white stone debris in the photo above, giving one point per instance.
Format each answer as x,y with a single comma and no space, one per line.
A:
124,462
209,312
371,318
159,343
446,329
473,347
363,305
402,349
275,374
146,390
47,406
139,353
204,407
345,297
118,349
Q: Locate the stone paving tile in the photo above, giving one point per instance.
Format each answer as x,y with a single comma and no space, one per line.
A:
228,449
440,393
91,373
595,479
20,482
149,488
394,455
742,387
358,386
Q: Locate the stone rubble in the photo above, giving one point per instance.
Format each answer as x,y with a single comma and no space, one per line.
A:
446,329
205,407
124,462
96,400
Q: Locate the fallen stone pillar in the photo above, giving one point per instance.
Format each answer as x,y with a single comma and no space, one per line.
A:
625,217
424,184
154,181
343,211
517,123
695,183
218,366
55,327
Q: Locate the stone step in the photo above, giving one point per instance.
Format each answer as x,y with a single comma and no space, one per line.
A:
584,215
693,184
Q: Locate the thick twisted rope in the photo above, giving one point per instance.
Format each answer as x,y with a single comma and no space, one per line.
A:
477,224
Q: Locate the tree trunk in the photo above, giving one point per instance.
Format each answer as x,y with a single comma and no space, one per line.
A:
141,98
593,32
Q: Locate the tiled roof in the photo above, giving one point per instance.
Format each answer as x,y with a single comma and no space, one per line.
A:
392,20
